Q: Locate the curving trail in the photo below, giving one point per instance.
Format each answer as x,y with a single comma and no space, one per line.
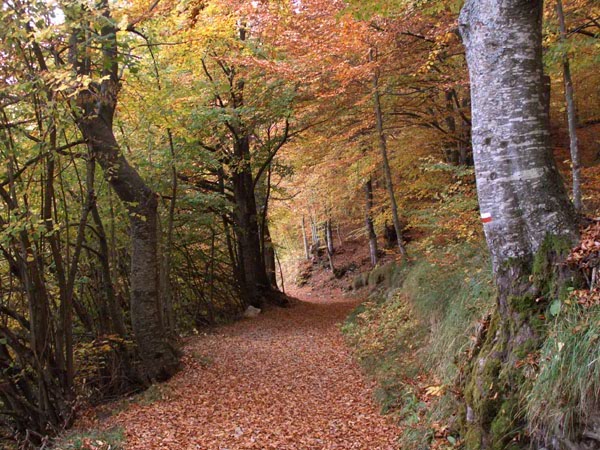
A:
282,381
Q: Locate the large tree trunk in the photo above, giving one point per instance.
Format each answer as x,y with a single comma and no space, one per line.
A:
98,105
517,180
246,220
159,357
528,219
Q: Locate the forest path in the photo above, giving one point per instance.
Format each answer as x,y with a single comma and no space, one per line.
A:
284,381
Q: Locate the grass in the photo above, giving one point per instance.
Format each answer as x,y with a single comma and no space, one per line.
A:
566,393
413,335
419,333
112,439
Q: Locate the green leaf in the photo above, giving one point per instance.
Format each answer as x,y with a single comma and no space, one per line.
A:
555,308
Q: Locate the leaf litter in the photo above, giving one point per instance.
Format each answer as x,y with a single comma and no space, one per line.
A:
282,381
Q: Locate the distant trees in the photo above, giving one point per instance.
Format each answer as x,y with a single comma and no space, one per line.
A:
243,115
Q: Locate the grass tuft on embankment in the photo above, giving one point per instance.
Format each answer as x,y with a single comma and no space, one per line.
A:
413,336
565,396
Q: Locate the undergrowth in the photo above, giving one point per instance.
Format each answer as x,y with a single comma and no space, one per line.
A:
112,439
412,338
566,393
416,333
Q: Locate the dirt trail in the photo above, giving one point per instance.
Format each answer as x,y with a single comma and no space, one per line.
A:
284,380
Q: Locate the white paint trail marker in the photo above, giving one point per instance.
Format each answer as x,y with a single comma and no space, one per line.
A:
486,217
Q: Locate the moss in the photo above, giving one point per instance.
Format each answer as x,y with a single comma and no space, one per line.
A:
472,439
481,390
492,386
383,274
522,304
525,348
502,428
551,247
545,275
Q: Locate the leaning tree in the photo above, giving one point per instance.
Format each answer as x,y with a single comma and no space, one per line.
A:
95,111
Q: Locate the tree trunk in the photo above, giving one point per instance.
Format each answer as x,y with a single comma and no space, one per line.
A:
384,156
114,309
247,231
269,255
571,115
98,104
369,221
305,240
528,219
518,184
159,357
314,232
329,236
166,288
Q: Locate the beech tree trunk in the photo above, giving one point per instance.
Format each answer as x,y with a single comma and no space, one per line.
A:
159,357
247,230
305,240
525,209
518,184
384,156
571,115
369,221
329,236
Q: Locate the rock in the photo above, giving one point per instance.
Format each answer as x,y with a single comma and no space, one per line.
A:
251,312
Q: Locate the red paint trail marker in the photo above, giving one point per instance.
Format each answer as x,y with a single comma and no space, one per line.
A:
486,217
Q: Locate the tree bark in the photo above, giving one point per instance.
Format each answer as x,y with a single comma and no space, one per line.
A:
384,156
247,231
528,219
518,183
369,221
98,105
305,240
159,357
571,115
314,232
329,236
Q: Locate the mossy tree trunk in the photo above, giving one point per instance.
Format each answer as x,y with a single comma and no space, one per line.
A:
528,219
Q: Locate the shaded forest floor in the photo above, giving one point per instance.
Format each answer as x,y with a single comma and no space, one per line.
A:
284,380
